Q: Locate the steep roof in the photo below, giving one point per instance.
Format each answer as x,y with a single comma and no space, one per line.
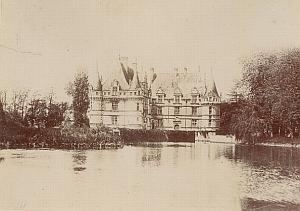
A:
116,75
187,83
135,83
99,85
211,87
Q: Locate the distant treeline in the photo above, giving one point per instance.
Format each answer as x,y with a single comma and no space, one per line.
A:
40,122
266,101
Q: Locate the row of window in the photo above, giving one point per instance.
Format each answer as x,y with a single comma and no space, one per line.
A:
115,106
114,93
193,100
193,123
114,120
177,110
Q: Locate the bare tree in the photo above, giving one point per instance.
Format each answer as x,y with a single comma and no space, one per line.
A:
18,104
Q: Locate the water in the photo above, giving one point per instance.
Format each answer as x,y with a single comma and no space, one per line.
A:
152,177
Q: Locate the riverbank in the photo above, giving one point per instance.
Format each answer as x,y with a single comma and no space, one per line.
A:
281,142
274,142
66,137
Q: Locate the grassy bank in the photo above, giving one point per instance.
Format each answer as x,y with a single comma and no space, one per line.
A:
14,136
281,141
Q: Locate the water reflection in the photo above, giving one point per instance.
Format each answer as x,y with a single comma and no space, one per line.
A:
152,176
268,175
151,155
267,156
79,160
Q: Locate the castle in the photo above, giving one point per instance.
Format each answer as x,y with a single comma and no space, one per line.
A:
168,101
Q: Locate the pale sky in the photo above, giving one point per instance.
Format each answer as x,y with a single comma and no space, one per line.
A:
44,42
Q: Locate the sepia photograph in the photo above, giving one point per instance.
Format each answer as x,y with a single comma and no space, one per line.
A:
149,105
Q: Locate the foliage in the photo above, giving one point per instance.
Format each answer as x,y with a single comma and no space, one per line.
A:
55,114
40,114
79,90
36,114
271,105
2,116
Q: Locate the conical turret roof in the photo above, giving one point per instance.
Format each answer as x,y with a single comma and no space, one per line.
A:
99,85
211,88
135,83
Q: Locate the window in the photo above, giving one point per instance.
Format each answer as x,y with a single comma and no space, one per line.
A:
114,91
177,99
194,110
114,106
134,93
137,106
176,110
139,92
209,109
194,122
160,122
194,99
209,122
159,110
114,120
159,98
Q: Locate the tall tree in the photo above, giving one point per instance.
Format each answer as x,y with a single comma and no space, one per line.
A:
2,115
79,90
271,105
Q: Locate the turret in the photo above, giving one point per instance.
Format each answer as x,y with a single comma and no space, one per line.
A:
99,83
211,89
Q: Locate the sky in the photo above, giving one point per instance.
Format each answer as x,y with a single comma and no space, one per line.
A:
43,43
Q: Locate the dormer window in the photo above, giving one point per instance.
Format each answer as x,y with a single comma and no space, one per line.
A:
114,90
159,98
177,98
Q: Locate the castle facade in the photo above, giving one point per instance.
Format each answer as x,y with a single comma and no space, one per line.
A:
181,100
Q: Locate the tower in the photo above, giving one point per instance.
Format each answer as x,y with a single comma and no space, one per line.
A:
99,88
211,107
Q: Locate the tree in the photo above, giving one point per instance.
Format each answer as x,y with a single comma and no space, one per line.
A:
2,115
36,114
55,114
271,103
17,106
79,90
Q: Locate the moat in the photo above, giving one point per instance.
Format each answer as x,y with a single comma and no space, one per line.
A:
162,176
